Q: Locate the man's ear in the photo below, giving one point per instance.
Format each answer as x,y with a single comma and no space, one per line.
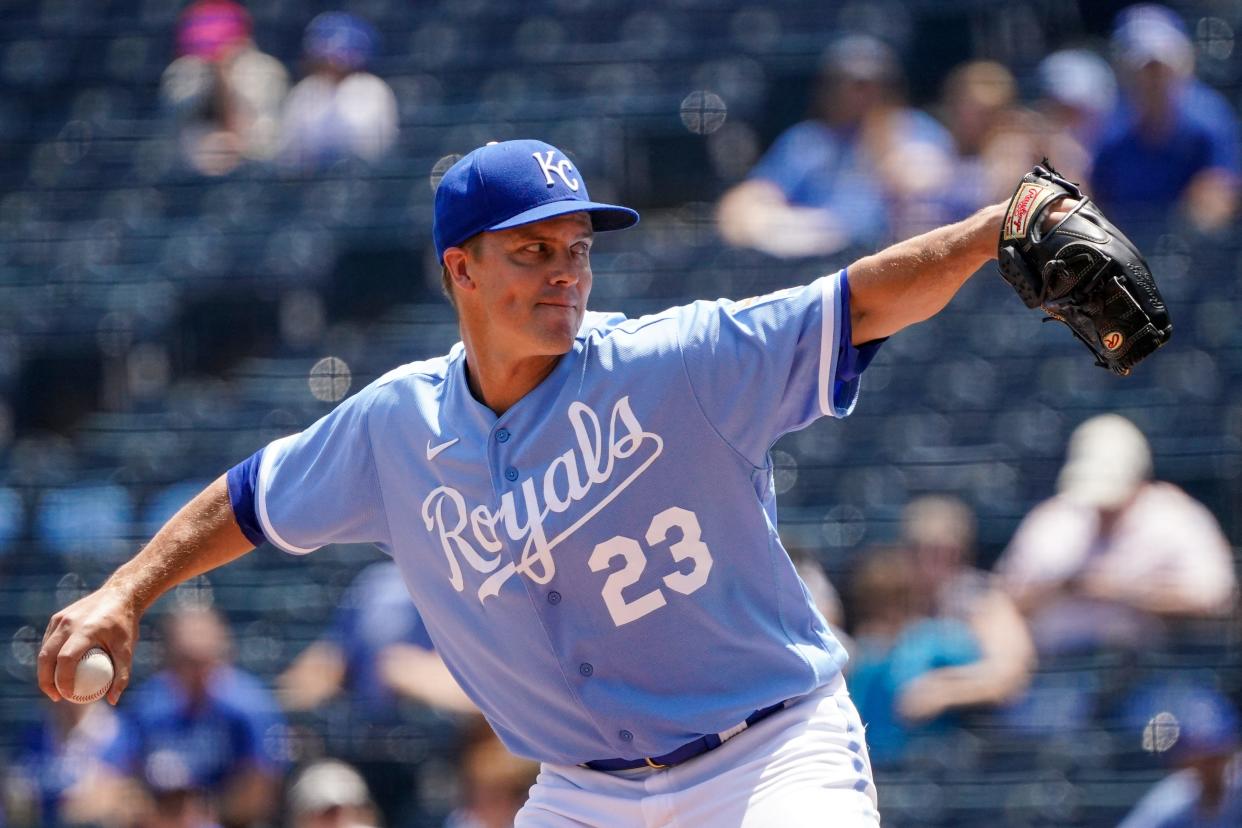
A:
457,263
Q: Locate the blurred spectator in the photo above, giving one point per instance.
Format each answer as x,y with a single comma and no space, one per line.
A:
177,802
377,651
225,93
68,767
849,174
991,134
896,642
1175,142
1077,98
338,110
1197,729
494,783
939,532
1113,554
330,794
202,725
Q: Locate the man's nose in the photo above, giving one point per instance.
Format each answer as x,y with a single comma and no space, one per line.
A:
567,269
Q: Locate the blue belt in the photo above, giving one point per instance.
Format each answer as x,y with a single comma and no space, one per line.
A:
687,751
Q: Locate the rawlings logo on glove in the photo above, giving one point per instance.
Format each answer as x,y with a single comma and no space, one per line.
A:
1083,272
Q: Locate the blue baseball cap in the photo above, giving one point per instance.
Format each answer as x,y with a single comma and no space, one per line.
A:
1152,33
1182,719
340,38
511,183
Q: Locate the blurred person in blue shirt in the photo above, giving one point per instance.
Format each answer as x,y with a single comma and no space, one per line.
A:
69,767
1196,728
1077,99
375,653
897,641
1174,144
339,110
177,800
938,532
202,724
846,176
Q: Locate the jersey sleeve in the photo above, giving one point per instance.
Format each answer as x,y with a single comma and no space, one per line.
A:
762,367
313,488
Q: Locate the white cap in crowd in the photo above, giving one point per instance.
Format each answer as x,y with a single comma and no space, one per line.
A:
1108,460
1078,78
327,784
1150,33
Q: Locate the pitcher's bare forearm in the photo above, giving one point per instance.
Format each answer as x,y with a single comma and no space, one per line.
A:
914,279
202,536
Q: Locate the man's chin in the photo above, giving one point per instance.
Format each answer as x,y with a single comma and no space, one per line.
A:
560,346
559,339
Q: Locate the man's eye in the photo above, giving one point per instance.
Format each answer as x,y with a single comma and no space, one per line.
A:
535,247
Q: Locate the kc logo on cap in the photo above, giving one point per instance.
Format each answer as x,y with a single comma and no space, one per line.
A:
511,183
559,168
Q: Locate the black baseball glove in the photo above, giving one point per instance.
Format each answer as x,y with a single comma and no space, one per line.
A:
1083,272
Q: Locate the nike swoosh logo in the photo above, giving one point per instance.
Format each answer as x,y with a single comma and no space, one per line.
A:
433,451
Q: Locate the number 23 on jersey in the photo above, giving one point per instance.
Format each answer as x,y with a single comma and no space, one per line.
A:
634,562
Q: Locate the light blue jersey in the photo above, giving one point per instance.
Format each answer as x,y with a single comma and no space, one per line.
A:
599,566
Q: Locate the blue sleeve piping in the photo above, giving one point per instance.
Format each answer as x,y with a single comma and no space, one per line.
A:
243,481
852,360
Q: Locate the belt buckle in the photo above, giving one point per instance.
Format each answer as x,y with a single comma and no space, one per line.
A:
655,765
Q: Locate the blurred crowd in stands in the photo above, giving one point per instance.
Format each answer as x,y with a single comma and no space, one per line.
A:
204,743
948,646
232,102
1141,133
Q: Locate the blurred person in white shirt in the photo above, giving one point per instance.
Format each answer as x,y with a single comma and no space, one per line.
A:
224,92
338,110
1115,555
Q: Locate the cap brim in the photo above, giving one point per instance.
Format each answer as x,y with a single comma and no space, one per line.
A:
603,216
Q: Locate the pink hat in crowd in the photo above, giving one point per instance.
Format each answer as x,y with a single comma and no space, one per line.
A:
208,28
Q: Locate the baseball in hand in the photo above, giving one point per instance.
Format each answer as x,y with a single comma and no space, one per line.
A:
92,678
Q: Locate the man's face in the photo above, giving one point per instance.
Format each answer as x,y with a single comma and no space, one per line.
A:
1154,86
529,286
196,645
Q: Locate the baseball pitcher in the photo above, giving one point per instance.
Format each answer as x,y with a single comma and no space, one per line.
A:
582,508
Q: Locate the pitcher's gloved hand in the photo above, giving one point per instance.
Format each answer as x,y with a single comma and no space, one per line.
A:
1082,271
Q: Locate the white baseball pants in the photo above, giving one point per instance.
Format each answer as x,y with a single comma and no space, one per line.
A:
804,766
